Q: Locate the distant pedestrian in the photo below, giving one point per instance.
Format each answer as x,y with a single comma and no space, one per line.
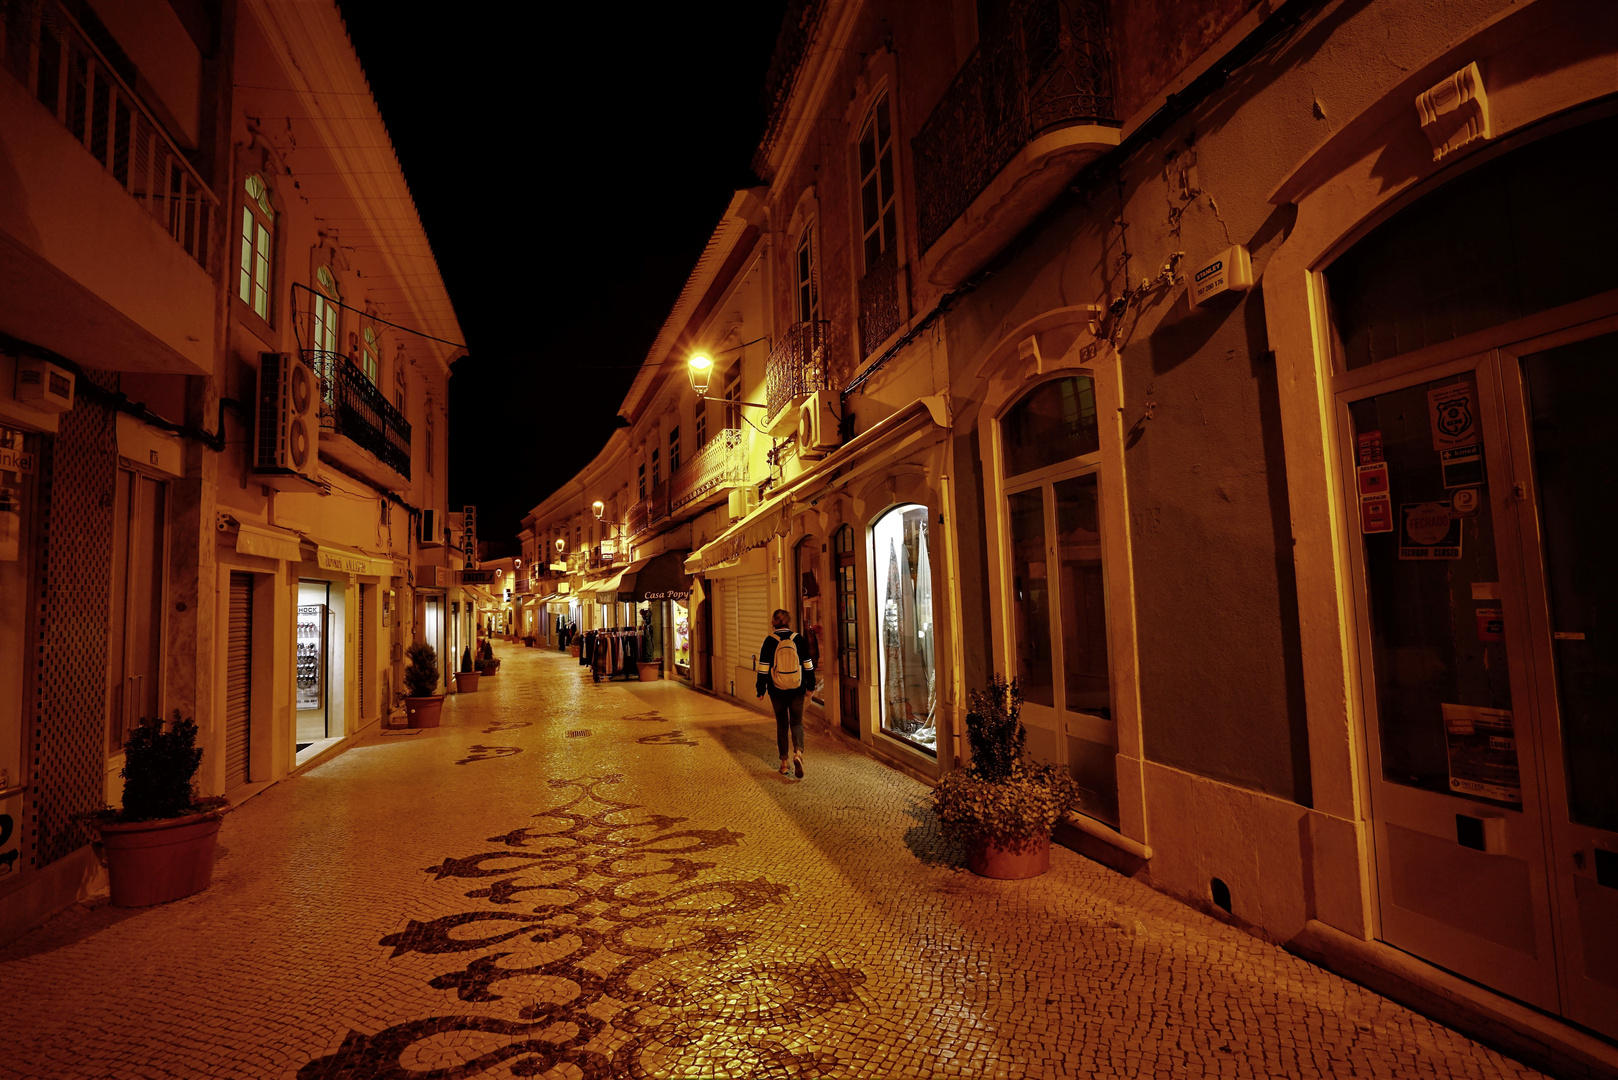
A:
786,673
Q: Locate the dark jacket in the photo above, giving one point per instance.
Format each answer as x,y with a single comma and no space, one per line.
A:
766,653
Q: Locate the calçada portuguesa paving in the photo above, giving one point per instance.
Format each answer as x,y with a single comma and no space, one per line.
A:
579,880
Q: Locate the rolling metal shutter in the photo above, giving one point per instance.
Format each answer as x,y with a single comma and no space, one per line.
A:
753,602
364,604
238,679
732,632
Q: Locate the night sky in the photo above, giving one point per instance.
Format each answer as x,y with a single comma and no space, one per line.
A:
569,169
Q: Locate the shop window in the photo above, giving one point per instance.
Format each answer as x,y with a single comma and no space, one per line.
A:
135,638
878,214
807,576
674,449
258,247
902,570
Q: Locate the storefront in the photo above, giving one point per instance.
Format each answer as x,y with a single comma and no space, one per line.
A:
658,594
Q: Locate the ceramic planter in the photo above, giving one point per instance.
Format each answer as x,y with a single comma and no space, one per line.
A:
467,681
153,862
1009,864
423,712
650,671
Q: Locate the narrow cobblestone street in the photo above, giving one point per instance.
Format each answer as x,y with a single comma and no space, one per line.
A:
569,879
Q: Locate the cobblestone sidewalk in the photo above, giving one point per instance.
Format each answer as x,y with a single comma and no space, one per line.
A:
573,880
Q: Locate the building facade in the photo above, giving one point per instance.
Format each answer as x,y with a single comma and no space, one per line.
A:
1200,365
227,478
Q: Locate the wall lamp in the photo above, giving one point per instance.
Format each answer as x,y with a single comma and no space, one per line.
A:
598,508
700,368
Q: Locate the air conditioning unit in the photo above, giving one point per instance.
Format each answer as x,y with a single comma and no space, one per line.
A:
432,528
44,385
288,434
742,502
817,426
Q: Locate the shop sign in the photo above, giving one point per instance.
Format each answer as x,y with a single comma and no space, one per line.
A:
469,536
668,594
347,564
1482,752
478,577
1429,531
12,456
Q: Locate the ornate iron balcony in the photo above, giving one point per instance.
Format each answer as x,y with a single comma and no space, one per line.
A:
797,366
1045,66
879,302
353,407
718,464
50,54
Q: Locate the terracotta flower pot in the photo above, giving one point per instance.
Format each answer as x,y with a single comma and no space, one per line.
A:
153,862
423,712
573,650
1009,864
649,671
467,681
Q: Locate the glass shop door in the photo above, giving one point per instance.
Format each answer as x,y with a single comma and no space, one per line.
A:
1478,489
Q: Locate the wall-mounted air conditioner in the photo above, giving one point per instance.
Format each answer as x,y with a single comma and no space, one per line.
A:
432,528
286,442
742,502
817,426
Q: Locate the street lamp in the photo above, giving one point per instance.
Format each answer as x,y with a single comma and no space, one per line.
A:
700,368
561,545
598,508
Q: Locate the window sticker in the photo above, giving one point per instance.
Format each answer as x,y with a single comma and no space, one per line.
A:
1454,415
1370,447
1462,465
1376,514
1429,531
1482,752
1491,624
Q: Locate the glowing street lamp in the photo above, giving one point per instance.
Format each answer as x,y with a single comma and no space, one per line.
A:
700,368
598,508
561,545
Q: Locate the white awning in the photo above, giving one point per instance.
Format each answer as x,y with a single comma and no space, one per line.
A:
268,543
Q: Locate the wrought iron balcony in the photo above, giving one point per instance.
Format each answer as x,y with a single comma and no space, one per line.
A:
50,54
607,553
1044,67
351,406
577,560
879,302
717,466
796,368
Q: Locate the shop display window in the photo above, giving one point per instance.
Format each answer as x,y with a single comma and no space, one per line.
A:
905,656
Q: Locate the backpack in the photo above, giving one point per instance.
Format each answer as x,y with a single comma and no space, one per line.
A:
786,672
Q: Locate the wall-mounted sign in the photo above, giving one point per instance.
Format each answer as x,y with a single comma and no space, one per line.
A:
477,577
327,559
469,536
1230,270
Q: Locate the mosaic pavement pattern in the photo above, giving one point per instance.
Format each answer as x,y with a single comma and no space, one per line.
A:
654,900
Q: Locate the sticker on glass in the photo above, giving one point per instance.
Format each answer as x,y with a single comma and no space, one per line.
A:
1482,752
1428,531
1454,415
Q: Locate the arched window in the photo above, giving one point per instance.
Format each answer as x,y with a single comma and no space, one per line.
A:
258,254
326,315
369,350
901,568
1050,454
806,274
878,217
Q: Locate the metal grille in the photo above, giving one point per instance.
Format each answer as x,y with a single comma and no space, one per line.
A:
1045,66
353,407
879,302
239,680
797,366
718,464
69,729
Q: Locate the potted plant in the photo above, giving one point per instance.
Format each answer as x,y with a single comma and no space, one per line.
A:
423,703
160,845
466,680
488,664
1004,805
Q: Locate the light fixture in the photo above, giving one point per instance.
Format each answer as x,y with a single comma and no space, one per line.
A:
561,545
598,508
700,368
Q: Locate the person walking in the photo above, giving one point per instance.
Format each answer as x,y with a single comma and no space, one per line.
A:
786,673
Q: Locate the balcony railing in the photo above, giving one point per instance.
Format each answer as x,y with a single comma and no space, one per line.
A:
607,553
879,302
577,560
353,407
50,54
797,366
1045,67
718,464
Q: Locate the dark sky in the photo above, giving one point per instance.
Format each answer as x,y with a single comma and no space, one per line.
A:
568,169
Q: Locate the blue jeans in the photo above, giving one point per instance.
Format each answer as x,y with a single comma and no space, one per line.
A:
788,713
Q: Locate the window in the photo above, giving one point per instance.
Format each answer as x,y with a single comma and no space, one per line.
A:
657,470
732,396
399,365
258,233
640,480
902,568
702,424
674,449
429,444
848,632
808,286
368,356
878,217
135,640
325,314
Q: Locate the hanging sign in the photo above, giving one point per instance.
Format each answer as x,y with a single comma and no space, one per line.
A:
1429,531
1453,411
477,577
1482,752
469,536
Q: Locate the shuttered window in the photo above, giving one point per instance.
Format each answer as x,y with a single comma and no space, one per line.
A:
239,680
